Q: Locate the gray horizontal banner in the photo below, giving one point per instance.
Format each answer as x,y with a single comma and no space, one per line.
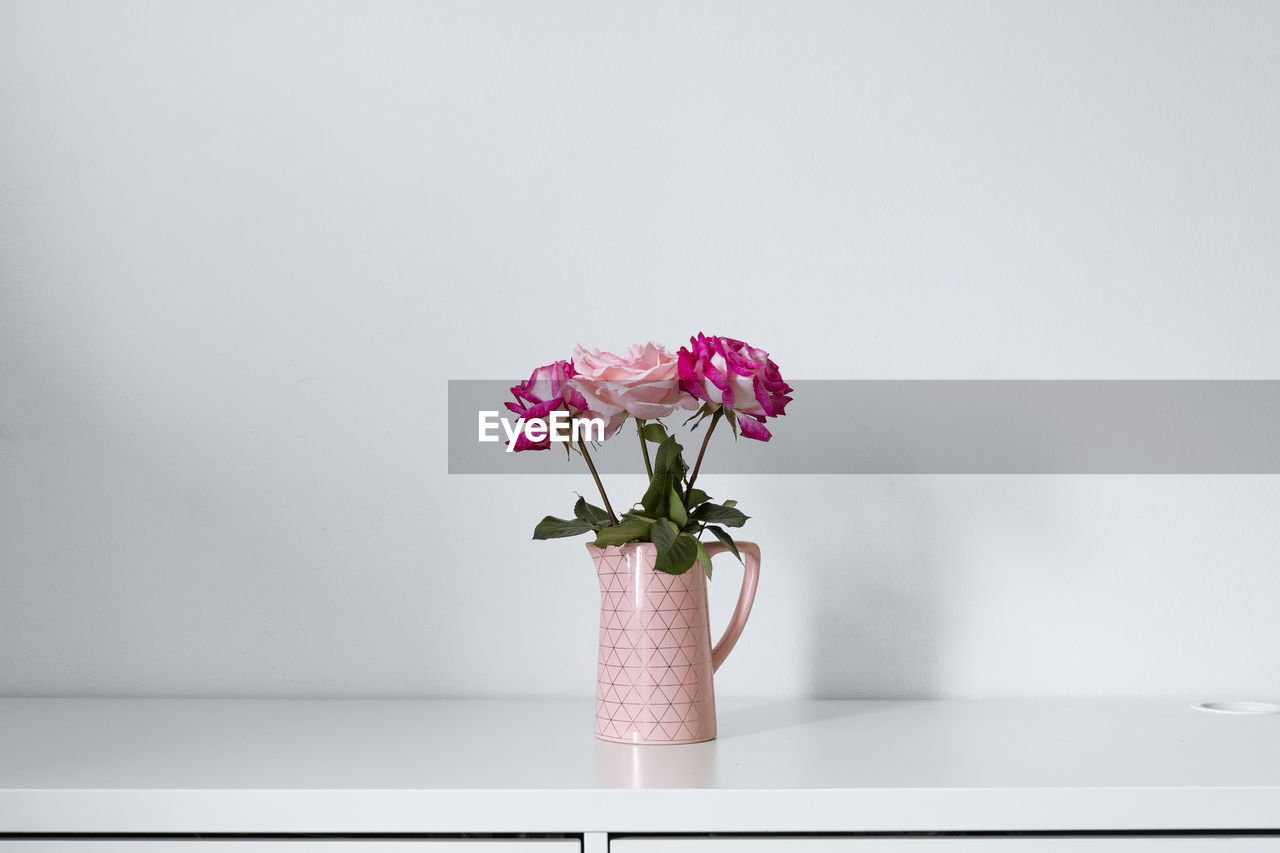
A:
940,427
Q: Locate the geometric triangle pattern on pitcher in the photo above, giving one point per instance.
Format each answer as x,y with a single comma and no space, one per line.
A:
654,670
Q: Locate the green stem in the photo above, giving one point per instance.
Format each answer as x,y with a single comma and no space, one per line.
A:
715,419
644,447
582,445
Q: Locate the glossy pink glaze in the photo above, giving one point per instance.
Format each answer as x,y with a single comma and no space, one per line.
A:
654,677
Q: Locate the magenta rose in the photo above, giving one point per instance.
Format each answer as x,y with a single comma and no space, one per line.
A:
729,373
645,383
547,390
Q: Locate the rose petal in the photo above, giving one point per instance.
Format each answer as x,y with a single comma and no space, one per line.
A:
752,428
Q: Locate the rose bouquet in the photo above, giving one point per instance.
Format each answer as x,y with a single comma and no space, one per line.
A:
714,379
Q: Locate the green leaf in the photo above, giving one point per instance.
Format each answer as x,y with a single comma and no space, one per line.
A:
668,468
557,528
725,539
630,530
663,534
684,553
668,459
675,508
697,496
729,503
655,497
710,513
676,551
593,515
704,558
654,432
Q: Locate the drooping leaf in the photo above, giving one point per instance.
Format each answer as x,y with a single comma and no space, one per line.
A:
668,458
631,513
630,530
663,533
682,555
704,558
676,551
593,515
675,508
654,432
725,539
710,513
655,497
697,496
557,528
668,468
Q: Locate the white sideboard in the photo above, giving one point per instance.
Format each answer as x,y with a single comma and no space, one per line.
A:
936,844
141,844
385,776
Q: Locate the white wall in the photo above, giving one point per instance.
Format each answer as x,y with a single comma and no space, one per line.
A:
243,245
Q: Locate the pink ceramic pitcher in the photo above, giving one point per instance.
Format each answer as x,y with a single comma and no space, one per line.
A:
654,675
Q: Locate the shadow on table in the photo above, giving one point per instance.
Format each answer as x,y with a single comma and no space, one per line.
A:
743,720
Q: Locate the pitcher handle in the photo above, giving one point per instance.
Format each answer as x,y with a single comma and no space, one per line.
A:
750,552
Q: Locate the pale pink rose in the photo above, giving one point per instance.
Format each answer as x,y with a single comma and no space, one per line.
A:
645,383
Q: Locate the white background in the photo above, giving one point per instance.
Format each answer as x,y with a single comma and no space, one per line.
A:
243,246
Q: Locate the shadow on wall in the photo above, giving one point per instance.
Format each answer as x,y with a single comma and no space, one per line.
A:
877,595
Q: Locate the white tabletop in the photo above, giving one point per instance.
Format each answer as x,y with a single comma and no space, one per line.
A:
123,765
